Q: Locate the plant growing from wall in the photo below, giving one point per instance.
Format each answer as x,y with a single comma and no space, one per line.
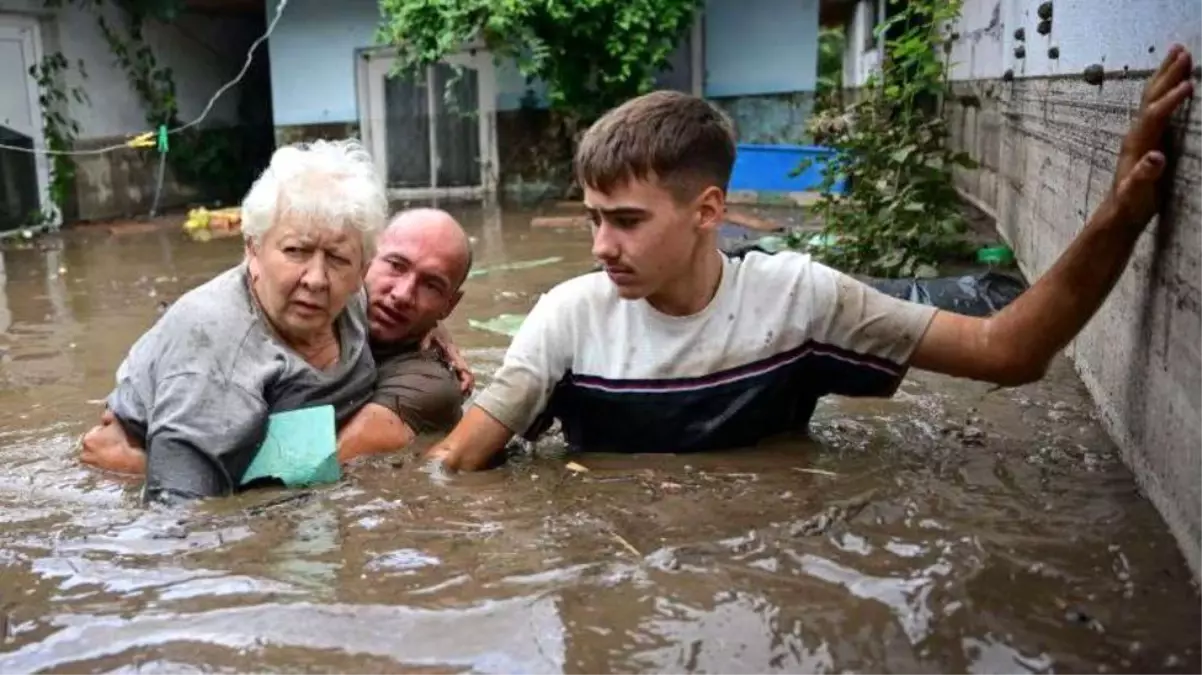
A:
831,44
195,157
58,128
901,215
591,54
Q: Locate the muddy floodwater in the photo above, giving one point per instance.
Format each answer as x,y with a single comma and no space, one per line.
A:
952,528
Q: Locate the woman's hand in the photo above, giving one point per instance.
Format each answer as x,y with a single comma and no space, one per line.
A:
440,339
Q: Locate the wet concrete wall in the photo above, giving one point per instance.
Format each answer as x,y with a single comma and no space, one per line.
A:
770,118
1047,142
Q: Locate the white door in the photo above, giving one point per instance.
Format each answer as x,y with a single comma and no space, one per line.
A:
24,177
432,135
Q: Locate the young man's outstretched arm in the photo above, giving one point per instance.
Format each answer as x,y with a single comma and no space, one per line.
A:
1015,346
519,392
473,442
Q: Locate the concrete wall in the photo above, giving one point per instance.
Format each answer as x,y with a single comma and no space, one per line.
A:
761,65
203,51
1047,142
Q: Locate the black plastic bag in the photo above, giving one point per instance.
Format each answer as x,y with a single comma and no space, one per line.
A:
979,294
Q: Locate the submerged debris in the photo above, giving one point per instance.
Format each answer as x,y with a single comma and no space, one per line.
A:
822,522
203,224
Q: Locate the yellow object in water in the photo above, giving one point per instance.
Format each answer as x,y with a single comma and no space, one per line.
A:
198,219
203,224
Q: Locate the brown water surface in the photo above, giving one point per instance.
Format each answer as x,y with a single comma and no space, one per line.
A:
948,529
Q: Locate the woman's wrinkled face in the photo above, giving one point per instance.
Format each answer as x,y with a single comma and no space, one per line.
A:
303,276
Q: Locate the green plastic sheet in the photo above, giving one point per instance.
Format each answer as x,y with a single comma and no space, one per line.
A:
516,265
503,324
301,449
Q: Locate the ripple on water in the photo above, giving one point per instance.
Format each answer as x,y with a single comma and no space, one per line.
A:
489,637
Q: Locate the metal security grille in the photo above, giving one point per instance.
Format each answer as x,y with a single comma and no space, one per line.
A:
433,116
407,124
432,133
457,126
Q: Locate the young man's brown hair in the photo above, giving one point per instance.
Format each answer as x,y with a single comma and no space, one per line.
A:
682,141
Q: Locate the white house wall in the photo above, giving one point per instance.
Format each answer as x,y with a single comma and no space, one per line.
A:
1116,34
313,59
1047,142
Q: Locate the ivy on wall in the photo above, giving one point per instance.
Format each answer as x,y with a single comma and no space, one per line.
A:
58,128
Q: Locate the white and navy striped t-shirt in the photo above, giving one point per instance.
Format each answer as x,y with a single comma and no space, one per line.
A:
781,331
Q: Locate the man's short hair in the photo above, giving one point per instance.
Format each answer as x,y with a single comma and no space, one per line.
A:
683,141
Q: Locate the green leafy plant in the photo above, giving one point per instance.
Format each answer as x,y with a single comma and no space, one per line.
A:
901,215
58,128
831,44
591,54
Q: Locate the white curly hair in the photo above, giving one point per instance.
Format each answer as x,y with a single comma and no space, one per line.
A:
331,184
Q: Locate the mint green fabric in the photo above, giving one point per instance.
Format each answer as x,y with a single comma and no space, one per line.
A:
301,449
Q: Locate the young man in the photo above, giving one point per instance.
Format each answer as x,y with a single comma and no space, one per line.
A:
675,348
413,283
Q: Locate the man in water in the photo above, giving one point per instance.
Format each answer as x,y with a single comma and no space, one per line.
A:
675,347
413,283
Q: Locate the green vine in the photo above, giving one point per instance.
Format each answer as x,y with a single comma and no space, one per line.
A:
195,157
591,54
58,128
901,215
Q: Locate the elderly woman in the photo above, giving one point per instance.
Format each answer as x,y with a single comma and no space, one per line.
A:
285,329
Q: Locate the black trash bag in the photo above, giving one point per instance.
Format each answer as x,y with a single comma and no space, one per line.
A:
974,295
979,294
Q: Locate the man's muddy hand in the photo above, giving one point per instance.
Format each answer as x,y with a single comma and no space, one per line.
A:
1141,160
438,463
106,446
439,338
